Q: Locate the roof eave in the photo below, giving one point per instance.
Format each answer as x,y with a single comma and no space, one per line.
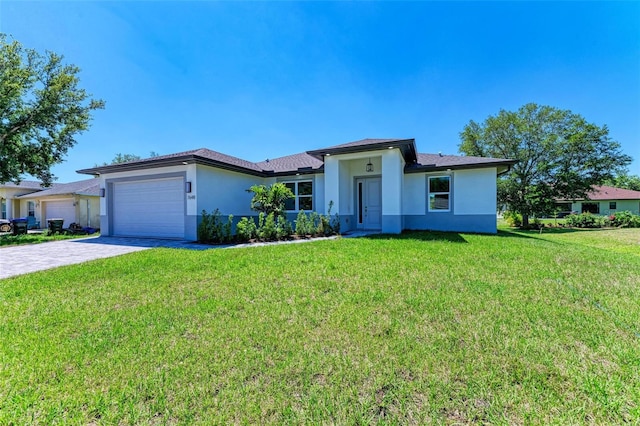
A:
226,166
271,173
166,162
40,195
407,148
426,169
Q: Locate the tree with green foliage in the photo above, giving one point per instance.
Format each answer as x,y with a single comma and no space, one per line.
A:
270,199
42,109
560,156
125,158
624,181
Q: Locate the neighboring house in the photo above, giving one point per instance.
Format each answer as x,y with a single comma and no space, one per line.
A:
604,200
10,206
376,184
75,202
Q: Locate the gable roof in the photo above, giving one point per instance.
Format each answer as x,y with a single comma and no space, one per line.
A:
407,148
306,162
83,187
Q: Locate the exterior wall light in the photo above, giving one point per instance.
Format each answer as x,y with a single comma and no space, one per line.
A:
187,187
369,166
102,192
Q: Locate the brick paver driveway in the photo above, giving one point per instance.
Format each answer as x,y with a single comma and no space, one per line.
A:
16,260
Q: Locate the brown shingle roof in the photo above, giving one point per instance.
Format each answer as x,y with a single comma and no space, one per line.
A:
611,193
310,160
201,155
227,159
440,161
291,163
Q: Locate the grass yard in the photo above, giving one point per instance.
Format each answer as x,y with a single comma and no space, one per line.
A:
518,328
14,240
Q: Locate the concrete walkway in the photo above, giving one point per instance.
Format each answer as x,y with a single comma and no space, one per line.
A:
23,259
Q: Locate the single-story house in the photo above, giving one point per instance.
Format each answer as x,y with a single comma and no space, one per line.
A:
374,184
604,200
10,206
75,202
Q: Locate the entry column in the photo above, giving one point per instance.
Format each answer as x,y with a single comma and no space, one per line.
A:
392,178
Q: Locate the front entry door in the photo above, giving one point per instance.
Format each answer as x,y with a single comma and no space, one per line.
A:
369,203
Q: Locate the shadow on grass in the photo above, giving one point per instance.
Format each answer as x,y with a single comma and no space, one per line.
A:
452,237
456,237
144,242
553,230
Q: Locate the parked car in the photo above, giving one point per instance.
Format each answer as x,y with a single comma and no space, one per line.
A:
5,225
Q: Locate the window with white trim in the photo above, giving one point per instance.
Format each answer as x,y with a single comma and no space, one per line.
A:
3,209
31,208
303,196
439,193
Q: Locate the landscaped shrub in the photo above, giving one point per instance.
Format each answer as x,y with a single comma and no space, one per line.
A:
302,224
270,199
269,227
268,230
316,225
585,220
513,219
314,219
284,228
212,230
246,230
625,219
311,225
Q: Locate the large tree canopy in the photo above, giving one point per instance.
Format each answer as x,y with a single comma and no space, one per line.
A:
625,181
560,155
42,109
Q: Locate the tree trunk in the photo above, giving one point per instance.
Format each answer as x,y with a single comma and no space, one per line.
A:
525,220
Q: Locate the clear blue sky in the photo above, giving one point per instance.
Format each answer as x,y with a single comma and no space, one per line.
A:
265,79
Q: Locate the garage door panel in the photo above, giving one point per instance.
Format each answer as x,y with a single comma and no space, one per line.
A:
150,208
60,210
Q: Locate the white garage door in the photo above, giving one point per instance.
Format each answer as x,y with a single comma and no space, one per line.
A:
149,208
60,210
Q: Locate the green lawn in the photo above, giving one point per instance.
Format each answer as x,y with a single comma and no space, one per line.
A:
518,328
14,240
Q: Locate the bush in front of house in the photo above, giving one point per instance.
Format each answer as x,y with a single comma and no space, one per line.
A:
272,228
269,227
212,229
585,220
246,229
272,224
513,219
625,219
